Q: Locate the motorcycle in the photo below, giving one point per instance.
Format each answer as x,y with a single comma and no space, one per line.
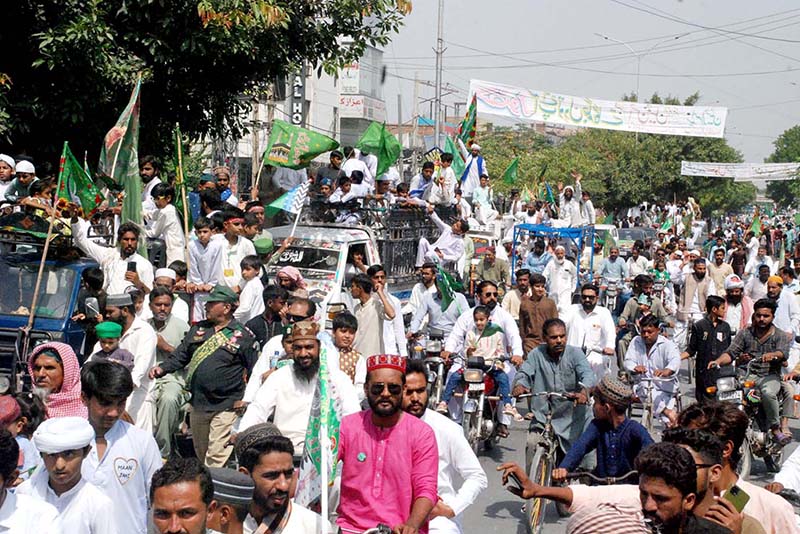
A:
429,349
737,387
481,405
611,288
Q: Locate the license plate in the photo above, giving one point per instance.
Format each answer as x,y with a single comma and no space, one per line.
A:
476,387
731,395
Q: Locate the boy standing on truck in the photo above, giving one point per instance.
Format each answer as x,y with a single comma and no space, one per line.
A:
205,255
449,246
251,303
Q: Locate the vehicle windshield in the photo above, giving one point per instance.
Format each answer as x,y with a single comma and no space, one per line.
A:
630,234
308,258
19,280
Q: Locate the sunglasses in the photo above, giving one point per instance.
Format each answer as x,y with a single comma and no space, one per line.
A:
296,318
490,294
377,389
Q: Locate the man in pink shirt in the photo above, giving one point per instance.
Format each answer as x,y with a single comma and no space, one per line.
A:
390,459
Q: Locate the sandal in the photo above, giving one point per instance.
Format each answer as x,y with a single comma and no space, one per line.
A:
502,431
781,438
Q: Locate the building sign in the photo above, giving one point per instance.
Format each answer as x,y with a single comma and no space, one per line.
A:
361,107
298,98
350,79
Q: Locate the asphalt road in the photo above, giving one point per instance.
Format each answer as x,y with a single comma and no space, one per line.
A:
497,510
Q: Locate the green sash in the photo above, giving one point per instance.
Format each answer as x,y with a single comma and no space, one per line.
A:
207,349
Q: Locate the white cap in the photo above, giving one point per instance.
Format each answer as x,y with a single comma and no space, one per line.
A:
732,281
475,146
8,159
166,273
25,166
61,434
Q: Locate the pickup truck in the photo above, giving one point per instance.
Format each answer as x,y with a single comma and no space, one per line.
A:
20,242
321,250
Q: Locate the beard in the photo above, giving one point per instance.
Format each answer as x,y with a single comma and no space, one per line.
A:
588,307
735,300
265,503
381,411
306,374
492,304
699,276
671,525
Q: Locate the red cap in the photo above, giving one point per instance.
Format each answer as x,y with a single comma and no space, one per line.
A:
386,361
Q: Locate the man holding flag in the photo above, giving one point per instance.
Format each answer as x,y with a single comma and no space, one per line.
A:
474,167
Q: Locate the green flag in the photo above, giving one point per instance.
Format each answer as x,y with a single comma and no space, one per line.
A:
77,187
609,219
510,174
667,224
378,141
467,128
756,226
447,286
608,243
458,161
491,329
294,147
119,159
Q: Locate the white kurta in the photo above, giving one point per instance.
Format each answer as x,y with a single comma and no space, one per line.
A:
167,226
179,309
114,267
288,400
499,316
450,244
301,521
473,178
561,280
251,300
457,463
140,340
82,510
124,474
394,331
205,267
593,332
231,258
23,514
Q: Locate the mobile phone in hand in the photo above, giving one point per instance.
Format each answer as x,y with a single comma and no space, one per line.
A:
131,266
737,497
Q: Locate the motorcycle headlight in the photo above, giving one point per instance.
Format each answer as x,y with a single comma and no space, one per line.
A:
726,384
473,375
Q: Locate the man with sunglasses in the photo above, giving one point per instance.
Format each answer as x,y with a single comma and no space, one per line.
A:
591,327
390,458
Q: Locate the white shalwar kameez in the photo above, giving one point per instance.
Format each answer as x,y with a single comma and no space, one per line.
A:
124,474
83,509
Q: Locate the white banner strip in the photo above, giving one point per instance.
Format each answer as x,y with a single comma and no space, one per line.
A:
741,171
541,106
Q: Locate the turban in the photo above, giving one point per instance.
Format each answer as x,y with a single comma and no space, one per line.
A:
63,434
775,279
9,410
293,274
9,160
475,146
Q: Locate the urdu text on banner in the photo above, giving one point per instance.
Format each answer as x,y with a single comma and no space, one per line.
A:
741,171
542,106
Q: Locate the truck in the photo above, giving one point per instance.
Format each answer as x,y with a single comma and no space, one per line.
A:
322,250
21,240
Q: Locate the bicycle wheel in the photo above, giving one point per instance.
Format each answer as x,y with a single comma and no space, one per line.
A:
540,474
746,462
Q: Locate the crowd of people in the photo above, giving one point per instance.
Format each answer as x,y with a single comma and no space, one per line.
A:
195,414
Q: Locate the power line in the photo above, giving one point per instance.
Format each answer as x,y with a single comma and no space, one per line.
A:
708,28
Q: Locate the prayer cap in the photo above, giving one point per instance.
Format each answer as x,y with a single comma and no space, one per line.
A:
475,146
232,487
696,252
644,298
25,166
9,410
253,435
8,159
108,329
326,181
383,178
61,434
304,330
386,361
775,279
206,177
222,294
263,245
120,299
615,390
221,169
166,273
732,281
560,247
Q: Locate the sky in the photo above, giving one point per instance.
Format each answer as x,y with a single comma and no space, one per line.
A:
739,54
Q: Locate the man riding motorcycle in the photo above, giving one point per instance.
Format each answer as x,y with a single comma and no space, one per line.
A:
768,348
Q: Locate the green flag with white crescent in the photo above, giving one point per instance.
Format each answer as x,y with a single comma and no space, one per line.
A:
294,147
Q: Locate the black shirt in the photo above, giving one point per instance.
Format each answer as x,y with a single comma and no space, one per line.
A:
708,342
264,330
701,525
219,380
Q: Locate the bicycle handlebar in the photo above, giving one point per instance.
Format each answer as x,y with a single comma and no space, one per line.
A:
602,480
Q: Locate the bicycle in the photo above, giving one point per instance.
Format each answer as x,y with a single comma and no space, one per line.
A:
647,403
606,481
543,461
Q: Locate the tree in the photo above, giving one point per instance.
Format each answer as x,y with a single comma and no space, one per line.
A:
787,150
618,170
69,65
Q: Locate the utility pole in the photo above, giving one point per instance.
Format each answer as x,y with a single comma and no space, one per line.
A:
439,57
400,117
415,114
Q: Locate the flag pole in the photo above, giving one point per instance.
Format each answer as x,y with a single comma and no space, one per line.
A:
325,443
257,182
182,185
38,284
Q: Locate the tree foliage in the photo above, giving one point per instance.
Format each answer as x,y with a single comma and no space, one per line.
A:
68,65
787,150
618,170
